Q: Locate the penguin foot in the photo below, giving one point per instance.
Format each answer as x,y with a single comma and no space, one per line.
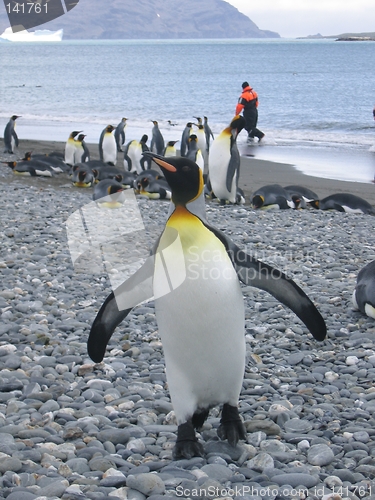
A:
231,426
187,445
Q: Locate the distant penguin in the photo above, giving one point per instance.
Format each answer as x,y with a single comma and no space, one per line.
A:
108,193
193,275
170,149
224,162
133,159
81,153
120,134
270,197
154,189
150,174
70,148
10,136
30,168
171,124
208,132
82,176
107,172
194,153
307,196
201,137
55,164
185,138
346,202
364,293
107,146
157,140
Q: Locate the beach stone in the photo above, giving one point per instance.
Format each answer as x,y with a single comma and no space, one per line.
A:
320,454
115,436
297,425
296,479
9,463
148,484
260,462
217,471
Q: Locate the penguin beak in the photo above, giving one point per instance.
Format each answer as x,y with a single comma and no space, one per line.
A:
160,160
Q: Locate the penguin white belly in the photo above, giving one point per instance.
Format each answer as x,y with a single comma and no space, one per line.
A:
109,149
135,154
201,321
78,153
69,153
219,159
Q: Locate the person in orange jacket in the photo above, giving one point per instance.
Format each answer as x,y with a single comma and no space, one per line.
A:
248,104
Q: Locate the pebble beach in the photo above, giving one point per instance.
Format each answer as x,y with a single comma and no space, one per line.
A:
72,429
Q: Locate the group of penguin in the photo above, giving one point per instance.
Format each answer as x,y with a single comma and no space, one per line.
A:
274,196
193,274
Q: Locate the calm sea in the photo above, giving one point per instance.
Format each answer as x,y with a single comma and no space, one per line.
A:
313,93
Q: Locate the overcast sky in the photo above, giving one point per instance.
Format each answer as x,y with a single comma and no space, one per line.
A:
293,18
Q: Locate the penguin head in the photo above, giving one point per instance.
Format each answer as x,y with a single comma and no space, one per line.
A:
183,175
257,201
27,156
75,133
14,117
11,164
144,138
155,122
81,137
171,143
109,128
236,125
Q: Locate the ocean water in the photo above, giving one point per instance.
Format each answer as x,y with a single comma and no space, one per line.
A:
316,96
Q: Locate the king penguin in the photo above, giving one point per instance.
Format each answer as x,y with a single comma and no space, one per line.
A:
224,162
70,148
185,139
107,146
10,135
208,132
346,202
133,159
364,293
194,153
170,149
81,153
157,140
193,275
120,134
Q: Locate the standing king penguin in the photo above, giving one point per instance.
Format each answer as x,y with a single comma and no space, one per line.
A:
193,274
10,135
157,139
81,153
107,146
120,134
224,162
70,148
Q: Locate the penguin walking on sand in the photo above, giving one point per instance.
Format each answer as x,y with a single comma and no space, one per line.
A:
81,153
70,148
120,134
10,136
107,146
185,139
193,275
224,162
157,140
364,294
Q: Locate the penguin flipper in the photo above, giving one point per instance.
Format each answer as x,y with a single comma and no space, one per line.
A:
117,306
232,168
15,138
260,275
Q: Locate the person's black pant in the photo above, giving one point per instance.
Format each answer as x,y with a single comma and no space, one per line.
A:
251,118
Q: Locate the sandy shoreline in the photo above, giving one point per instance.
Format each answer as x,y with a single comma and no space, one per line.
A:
254,173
